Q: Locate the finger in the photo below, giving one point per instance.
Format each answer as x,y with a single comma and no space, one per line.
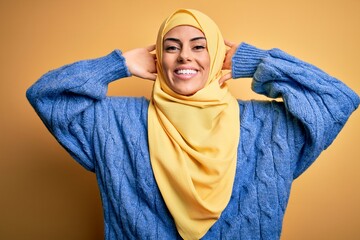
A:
229,43
225,78
151,76
151,48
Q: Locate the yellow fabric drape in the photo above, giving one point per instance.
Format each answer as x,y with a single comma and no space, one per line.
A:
193,139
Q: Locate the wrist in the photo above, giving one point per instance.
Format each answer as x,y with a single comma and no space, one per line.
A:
123,64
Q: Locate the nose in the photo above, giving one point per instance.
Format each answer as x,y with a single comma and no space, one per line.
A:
185,55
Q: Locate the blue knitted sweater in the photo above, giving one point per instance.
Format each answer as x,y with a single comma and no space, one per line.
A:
278,140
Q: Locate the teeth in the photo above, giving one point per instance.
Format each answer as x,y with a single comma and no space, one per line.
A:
186,71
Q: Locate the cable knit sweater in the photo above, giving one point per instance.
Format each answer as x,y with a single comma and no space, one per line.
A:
278,140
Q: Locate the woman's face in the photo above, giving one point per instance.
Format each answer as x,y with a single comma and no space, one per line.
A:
186,61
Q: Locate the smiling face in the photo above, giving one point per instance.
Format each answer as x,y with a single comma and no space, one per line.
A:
185,60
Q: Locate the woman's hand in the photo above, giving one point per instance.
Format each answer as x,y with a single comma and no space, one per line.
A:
228,60
141,62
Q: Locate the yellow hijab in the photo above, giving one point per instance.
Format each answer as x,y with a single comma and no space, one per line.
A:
193,139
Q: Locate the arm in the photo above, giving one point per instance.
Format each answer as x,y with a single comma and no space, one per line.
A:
319,102
64,99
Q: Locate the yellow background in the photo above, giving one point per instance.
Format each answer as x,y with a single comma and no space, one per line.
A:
44,194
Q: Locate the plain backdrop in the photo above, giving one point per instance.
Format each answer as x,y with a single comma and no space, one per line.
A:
44,194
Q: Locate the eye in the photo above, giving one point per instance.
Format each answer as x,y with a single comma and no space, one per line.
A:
171,48
199,47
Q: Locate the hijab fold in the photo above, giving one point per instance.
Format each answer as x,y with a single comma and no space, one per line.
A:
193,139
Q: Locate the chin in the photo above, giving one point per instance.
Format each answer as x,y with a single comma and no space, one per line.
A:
186,92
185,88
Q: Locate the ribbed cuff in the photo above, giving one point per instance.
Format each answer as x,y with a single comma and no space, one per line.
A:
246,60
124,69
110,67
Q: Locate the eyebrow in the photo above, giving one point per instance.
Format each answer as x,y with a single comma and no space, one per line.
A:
178,40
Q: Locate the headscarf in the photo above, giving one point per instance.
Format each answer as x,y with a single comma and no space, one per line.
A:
193,139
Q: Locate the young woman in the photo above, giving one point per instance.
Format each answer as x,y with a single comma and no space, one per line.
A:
193,162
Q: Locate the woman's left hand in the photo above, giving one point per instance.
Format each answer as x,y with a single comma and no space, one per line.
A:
228,60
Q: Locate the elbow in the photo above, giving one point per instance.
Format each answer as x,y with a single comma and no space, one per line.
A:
356,101
351,99
36,100
31,95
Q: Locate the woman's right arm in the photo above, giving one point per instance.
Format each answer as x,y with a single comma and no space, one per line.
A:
65,98
61,96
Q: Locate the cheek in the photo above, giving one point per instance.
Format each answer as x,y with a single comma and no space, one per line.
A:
166,63
205,60
206,64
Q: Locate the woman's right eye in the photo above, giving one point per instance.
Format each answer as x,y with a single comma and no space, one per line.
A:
171,48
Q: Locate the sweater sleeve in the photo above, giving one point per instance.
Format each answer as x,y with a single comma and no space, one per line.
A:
63,95
321,104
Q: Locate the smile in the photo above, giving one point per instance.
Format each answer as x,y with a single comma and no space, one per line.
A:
185,74
185,71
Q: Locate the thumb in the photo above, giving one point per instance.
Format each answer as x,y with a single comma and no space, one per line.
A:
225,78
150,76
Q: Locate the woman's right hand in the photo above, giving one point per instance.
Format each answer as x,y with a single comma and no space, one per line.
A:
141,62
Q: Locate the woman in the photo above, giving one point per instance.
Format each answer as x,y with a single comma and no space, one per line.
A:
193,162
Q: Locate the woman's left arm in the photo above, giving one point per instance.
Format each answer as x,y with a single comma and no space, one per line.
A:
321,103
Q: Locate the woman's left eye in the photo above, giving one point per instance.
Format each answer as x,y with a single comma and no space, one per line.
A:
199,47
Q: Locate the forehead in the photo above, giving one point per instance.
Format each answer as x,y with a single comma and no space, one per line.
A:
184,32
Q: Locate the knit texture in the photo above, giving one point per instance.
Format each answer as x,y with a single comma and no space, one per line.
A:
278,141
